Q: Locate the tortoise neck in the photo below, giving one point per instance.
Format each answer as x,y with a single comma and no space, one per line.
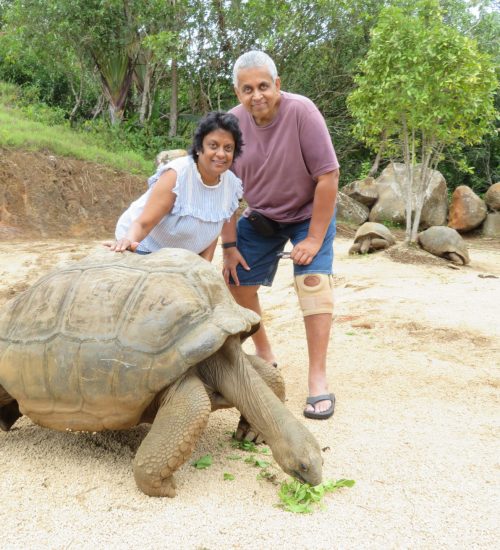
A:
230,373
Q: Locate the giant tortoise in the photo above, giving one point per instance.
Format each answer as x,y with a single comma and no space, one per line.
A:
445,242
371,236
121,339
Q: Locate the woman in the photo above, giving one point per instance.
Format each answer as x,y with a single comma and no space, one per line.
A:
190,197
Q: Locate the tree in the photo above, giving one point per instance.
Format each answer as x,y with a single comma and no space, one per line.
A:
425,87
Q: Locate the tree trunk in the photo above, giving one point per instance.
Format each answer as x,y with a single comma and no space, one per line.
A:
409,178
376,164
97,110
173,101
115,113
78,100
146,95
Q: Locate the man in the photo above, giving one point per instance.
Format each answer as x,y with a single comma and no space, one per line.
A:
290,180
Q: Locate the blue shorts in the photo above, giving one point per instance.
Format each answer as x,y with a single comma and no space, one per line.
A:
261,252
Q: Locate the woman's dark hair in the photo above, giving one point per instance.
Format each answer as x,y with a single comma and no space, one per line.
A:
216,120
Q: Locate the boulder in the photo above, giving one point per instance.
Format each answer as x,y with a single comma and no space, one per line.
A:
390,206
351,211
491,225
467,210
492,197
363,191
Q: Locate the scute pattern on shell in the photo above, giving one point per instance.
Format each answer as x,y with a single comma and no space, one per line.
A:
98,339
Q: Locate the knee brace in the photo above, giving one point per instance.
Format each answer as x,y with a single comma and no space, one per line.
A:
316,294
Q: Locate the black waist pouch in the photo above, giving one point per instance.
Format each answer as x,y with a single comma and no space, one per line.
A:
264,226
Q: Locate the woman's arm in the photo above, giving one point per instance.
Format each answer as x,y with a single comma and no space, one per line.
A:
208,253
159,204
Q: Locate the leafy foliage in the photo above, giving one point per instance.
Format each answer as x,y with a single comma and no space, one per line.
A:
423,86
36,127
154,67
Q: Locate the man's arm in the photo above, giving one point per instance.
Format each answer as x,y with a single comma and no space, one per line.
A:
325,197
231,256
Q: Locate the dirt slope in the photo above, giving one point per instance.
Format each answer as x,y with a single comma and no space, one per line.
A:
42,195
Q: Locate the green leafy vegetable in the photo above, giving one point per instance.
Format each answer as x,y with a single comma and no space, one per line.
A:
202,463
257,462
248,446
301,498
228,477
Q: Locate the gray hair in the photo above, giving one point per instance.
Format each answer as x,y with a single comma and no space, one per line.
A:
252,59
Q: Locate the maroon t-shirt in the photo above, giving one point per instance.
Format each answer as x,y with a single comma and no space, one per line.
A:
281,162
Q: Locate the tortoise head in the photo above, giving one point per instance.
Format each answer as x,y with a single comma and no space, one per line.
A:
298,452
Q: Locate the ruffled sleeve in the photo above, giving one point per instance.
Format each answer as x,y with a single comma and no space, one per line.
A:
172,165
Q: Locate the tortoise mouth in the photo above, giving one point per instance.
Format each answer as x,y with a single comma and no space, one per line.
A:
299,476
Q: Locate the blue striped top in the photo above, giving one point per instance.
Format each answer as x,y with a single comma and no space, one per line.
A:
198,213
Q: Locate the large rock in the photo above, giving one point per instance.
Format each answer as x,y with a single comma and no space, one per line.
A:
491,225
364,191
467,210
391,186
492,197
351,211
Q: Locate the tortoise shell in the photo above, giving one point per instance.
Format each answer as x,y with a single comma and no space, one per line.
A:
89,346
374,230
443,241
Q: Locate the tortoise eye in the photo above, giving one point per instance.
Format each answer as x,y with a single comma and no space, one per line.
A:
303,467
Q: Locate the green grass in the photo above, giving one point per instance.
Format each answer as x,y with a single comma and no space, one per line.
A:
19,131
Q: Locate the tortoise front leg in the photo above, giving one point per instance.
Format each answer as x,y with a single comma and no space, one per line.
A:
180,420
9,410
365,245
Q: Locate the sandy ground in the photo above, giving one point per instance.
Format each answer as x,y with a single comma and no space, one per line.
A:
413,362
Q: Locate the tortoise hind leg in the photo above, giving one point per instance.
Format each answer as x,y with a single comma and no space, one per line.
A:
180,420
454,258
379,244
9,410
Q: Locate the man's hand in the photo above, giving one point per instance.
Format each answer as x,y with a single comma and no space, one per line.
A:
304,252
231,259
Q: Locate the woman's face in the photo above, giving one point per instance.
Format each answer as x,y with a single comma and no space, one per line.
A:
216,155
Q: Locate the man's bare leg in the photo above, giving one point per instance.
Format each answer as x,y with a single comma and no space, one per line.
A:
247,296
318,336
